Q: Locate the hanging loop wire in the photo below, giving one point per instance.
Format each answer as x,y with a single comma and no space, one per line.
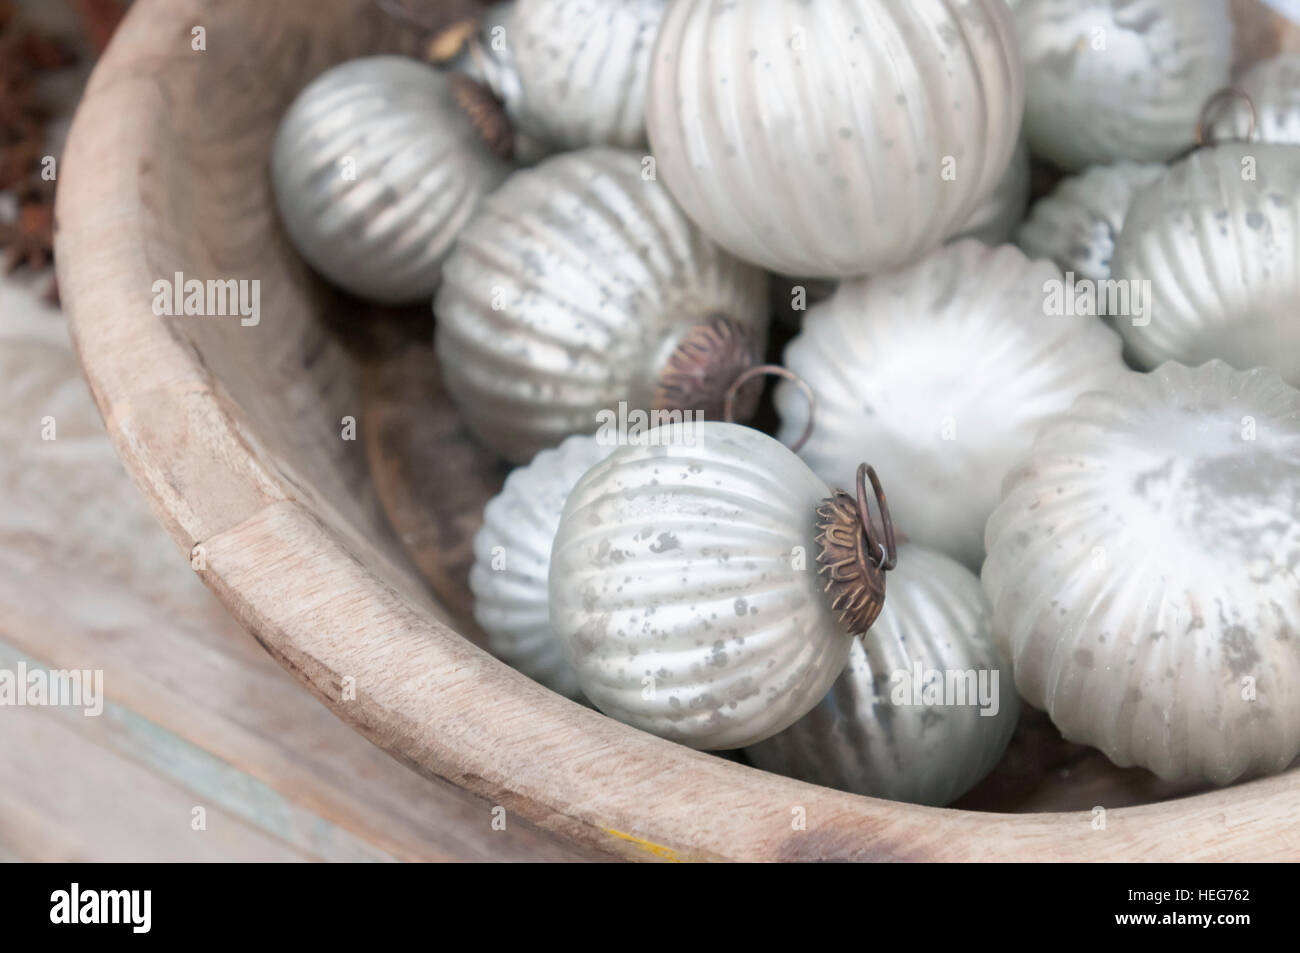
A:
773,370
1204,133
888,548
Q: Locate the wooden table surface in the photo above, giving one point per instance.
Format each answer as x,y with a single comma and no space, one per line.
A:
197,714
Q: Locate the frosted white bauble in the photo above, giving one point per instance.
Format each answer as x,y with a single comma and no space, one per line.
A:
1120,79
685,586
512,558
1144,571
877,732
375,170
1218,238
1077,225
1001,213
570,292
833,138
1273,87
940,374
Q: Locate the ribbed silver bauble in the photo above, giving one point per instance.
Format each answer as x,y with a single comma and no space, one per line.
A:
1077,225
581,286
1218,240
512,558
942,372
1143,571
1108,80
926,705
375,170
570,73
693,593
834,138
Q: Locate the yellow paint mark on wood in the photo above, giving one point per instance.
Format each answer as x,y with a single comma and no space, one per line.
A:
650,847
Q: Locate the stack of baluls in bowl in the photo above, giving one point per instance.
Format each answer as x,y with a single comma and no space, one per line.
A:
1047,453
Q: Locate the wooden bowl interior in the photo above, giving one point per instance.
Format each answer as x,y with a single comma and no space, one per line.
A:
291,378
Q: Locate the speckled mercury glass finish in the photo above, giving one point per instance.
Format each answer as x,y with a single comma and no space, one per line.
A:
582,67
940,374
872,734
568,293
1120,79
512,559
375,170
1222,253
1144,571
684,585
813,137
1077,225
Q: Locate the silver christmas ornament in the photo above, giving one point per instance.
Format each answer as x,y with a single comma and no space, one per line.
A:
831,138
1077,225
1143,572
1217,241
512,558
1108,80
943,372
569,73
707,585
926,705
582,294
375,169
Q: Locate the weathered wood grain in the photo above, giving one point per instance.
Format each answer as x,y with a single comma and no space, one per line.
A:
89,581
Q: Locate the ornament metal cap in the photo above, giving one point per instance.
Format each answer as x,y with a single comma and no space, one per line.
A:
853,557
486,113
711,371
445,47
705,371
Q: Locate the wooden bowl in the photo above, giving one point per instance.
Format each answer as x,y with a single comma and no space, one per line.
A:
236,436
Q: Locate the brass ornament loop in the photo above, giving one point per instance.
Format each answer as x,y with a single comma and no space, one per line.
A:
773,370
1223,96
889,548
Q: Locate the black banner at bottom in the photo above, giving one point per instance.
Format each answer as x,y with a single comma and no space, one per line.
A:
216,903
